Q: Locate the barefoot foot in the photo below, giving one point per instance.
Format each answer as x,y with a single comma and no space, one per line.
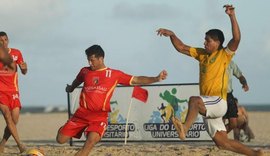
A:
179,128
22,148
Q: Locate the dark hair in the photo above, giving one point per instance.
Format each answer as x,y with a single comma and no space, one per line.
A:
2,33
95,50
216,35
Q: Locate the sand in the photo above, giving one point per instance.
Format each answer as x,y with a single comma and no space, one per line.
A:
39,131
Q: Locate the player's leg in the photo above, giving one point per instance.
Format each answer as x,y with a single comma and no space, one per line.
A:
231,113
92,139
195,106
236,134
74,127
232,124
222,142
249,132
61,138
15,117
94,133
11,126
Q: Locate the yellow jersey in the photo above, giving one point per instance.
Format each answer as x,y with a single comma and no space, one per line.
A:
213,75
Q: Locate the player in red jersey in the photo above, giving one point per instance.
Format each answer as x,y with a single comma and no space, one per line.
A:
99,83
16,105
9,94
15,53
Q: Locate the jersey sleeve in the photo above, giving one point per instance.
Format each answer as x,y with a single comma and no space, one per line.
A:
125,79
236,70
229,52
20,58
81,75
196,52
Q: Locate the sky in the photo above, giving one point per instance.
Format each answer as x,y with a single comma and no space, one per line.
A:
53,35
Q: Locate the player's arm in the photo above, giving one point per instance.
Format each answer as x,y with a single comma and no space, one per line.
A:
23,67
74,85
143,80
177,43
243,81
238,74
234,42
21,63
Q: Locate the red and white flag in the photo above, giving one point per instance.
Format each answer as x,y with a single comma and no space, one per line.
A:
140,94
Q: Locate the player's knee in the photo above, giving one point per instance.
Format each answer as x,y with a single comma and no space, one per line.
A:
8,117
92,142
233,125
194,101
60,139
15,121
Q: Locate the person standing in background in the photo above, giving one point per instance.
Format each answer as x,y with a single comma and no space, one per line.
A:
231,114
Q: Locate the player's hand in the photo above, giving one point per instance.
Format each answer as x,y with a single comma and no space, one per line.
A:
23,65
162,75
229,9
69,88
245,87
164,32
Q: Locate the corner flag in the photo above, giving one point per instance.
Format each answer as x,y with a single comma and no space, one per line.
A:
140,94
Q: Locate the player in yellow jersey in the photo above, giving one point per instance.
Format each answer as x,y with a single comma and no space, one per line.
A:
211,104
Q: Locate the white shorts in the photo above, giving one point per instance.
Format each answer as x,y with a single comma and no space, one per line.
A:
216,108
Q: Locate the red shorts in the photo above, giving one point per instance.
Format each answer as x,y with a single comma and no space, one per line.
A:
10,99
85,121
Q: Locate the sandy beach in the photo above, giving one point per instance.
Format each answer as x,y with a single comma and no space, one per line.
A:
39,131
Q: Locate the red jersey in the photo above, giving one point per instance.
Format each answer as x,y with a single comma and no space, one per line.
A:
99,86
16,55
8,80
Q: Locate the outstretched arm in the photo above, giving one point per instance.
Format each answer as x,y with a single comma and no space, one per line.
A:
74,84
234,42
143,80
238,74
177,43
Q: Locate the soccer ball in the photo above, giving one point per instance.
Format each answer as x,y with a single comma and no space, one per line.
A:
34,152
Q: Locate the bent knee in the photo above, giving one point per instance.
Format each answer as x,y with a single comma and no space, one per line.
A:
233,125
61,139
195,100
8,117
